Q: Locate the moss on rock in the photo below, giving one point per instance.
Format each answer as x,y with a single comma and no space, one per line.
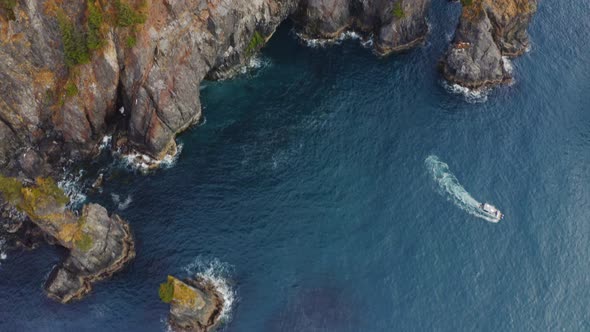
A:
256,42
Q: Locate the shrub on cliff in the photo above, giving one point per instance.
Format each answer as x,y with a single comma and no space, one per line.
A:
256,42
127,16
93,26
74,42
466,2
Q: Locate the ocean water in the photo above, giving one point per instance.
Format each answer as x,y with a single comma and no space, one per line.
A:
307,194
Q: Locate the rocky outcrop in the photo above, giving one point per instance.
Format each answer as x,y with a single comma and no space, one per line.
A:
99,245
488,30
396,25
195,304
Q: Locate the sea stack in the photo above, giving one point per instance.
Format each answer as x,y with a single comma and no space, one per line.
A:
488,30
99,244
195,304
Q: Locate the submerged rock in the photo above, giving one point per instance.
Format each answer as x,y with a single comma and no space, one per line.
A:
487,31
195,304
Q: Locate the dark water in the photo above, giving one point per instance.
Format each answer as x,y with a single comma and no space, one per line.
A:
307,189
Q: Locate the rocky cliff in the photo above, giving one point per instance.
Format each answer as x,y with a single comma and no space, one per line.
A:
74,71
488,31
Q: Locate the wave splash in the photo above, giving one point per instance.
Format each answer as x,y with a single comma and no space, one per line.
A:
472,96
218,274
324,42
72,185
3,254
450,187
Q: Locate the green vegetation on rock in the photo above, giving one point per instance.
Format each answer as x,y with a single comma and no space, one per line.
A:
131,41
75,48
33,199
84,242
7,8
466,2
95,38
255,43
71,89
166,291
11,189
398,11
127,16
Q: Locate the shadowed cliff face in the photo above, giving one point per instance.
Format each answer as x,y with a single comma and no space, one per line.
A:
397,25
487,31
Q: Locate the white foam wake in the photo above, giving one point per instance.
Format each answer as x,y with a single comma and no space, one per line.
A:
218,274
450,187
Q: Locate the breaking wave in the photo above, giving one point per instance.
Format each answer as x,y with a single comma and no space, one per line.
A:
144,163
324,42
3,254
105,142
472,96
219,275
450,187
72,186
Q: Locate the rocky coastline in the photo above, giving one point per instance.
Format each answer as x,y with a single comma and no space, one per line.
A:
73,72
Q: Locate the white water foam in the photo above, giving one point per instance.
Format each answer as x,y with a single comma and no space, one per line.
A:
450,187
121,205
472,96
3,254
323,42
105,142
72,186
255,63
145,163
218,274
507,64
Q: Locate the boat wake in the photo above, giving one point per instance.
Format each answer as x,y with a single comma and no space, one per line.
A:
450,187
218,274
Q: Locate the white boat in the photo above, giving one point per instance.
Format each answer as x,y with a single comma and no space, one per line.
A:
492,212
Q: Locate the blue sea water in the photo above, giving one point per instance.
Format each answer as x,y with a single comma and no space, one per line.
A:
307,190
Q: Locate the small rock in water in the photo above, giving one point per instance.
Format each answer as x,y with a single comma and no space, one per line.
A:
195,304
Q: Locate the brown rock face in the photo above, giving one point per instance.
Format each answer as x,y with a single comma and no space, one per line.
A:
99,245
488,30
397,24
108,247
195,305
